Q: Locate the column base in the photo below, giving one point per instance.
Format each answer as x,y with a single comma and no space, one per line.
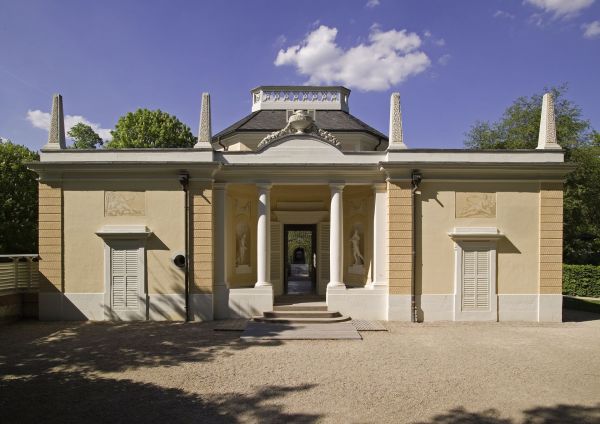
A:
262,284
376,285
249,302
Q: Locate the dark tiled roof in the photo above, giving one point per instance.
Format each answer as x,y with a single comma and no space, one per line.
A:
274,120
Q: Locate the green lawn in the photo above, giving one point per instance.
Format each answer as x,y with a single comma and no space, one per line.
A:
590,305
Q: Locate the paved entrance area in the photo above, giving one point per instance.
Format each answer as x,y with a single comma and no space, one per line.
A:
333,331
440,373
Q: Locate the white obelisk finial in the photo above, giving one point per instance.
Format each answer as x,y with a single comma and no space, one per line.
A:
56,135
547,137
396,138
204,132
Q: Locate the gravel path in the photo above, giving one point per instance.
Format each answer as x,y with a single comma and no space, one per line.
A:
172,372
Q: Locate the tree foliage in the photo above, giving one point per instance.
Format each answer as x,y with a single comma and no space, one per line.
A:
582,207
84,137
150,129
518,128
520,124
18,200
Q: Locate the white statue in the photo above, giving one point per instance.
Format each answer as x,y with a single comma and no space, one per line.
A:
358,257
242,249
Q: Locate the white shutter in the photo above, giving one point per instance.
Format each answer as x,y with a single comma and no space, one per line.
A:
323,257
475,280
124,279
276,233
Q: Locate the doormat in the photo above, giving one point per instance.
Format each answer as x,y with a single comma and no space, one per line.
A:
231,325
365,325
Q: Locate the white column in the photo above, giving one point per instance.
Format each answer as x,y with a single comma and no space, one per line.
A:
220,236
262,236
380,239
336,248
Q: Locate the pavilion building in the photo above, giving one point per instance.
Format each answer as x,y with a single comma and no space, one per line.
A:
300,197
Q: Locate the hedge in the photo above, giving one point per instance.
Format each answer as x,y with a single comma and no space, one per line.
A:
581,280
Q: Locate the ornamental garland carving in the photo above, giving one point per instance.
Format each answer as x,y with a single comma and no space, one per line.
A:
300,122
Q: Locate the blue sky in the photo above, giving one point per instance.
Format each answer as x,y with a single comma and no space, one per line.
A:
454,62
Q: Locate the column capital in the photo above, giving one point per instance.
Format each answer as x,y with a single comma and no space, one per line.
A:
219,186
380,187
264,185
337,186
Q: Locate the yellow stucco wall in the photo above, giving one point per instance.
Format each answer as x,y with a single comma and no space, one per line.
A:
201,225
400,237
50,237
84,250
517,216
551,234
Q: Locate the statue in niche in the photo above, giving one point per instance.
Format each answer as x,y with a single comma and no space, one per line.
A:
358,257
242,248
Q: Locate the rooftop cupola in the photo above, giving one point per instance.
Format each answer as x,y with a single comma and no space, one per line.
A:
288,97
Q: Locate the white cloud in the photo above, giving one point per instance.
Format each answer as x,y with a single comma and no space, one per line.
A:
561,8
373,3
591,30
386,60
41,120
503,14
444,60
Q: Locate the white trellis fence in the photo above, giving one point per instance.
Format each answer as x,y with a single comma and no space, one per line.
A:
18,272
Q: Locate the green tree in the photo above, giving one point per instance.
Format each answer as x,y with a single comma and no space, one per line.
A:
518,128
18,200
520,124
148,129
84,137
582,207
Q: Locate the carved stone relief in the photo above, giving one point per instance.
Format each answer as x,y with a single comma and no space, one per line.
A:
242,237
124,203
475,205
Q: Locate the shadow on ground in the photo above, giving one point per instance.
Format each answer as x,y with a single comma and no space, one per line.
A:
559,414
65,397
49,372
573,315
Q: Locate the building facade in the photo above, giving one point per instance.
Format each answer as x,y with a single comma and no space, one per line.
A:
301,197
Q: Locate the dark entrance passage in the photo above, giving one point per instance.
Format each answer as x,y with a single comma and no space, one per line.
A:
299,251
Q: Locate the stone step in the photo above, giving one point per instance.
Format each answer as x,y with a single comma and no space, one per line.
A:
302,320
301,314
300,307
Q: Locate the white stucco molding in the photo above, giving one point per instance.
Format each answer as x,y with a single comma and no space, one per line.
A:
130,232
475,233
286,97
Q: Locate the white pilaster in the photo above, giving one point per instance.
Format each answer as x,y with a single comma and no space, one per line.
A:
547,135
336,248
380,239
262,236
396,136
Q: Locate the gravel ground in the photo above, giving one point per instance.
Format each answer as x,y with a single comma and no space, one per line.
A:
428,373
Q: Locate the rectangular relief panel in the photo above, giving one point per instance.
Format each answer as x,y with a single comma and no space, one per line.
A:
124,203
475,205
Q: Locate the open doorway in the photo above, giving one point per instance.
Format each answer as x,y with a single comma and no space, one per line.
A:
300,259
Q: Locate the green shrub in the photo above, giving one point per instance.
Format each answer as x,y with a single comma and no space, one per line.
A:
581,280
